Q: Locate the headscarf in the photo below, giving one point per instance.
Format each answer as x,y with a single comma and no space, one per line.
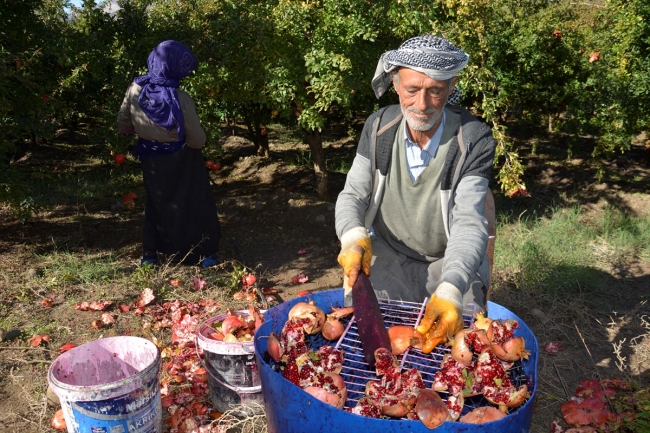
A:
168,63
432,55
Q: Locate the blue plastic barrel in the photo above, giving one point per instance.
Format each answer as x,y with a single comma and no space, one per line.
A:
109,385
289,409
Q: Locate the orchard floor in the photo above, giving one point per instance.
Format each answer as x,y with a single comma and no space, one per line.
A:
269,212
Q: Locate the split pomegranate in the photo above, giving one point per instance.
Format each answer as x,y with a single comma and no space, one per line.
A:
452,376
328,388
482,415
311,311
231,324
455,405
511,350
403,337
460,349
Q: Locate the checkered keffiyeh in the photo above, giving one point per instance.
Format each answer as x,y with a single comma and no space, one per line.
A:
432,55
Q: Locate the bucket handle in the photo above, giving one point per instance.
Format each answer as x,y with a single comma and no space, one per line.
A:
237,389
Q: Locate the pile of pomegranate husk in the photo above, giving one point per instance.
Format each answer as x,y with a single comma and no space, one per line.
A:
479,363
237,327
607,405
316,372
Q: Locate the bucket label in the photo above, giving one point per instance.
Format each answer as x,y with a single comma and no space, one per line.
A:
234,370
139,411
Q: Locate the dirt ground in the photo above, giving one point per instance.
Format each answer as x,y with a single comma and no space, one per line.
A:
268,212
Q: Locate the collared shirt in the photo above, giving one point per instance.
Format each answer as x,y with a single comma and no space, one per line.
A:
418,159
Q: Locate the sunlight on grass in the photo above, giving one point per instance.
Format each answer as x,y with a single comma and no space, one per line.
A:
569,250
61,267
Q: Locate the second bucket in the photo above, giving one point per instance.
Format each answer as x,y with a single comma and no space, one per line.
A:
233,377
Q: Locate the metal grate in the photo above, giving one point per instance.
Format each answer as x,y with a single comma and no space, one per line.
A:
356,372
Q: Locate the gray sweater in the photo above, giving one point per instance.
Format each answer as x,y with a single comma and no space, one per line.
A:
463,187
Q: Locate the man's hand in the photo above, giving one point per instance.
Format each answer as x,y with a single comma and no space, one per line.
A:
442,318
356,254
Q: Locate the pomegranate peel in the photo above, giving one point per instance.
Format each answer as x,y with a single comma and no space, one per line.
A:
482,415
431,409
590,411
403,337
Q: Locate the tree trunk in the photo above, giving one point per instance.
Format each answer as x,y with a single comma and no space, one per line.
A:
315,142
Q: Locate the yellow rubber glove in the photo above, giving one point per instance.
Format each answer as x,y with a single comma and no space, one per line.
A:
442,319
356,254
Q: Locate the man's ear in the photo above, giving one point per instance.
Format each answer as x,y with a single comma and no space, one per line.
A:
452,84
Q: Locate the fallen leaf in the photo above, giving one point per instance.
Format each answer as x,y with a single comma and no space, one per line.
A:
175,282
301,252
66,347
553,347
303,293
145,298
200,283
300,278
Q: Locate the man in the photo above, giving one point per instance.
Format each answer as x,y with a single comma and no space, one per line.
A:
414,198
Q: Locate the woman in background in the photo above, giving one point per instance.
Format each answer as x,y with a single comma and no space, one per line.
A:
180,217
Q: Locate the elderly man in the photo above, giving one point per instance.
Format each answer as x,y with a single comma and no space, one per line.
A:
415,195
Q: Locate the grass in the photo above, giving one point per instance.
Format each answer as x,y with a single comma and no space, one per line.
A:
570,250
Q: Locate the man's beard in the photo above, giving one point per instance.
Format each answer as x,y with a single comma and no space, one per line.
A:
418,124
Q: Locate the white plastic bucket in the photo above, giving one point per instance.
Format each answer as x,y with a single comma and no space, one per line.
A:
109,385
233,378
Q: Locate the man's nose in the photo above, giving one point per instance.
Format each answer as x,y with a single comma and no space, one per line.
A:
421,100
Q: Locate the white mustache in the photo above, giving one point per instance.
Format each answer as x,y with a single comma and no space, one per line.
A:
416,111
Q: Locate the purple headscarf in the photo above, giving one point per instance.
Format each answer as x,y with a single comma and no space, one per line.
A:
168,63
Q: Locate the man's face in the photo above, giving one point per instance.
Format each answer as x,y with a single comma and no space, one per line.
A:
422,98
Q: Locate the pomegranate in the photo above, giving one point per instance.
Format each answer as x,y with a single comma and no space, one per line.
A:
273,347
477,340
511,350
384,362
365,407
231,323
119,158
460,349
501,331
326,359
403,337
332,328
455,405
58,421
452,376
249,280
311,311
481,322
482,415
397,406
430,409
506,396
328,388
